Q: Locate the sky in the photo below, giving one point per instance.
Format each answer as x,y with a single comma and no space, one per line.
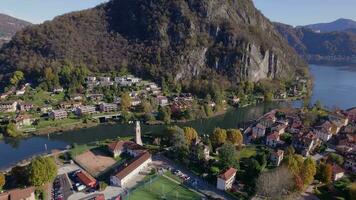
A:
293,12
303,12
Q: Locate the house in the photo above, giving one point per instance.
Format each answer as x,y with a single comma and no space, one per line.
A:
9,106
76,97
235,100
19,194
46,108
198,147
131,169
108,107
105,81
337,172
273,139
23,120
305,143
351,114
226,179
269,119
58,90
85,110
323,134
258,131
135,101
21,91
95,97
58,114
69,105
277,157
129,147
86,179
26,106
279,128
162,101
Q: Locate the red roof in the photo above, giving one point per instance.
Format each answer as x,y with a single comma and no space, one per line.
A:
226,175
17,194
122,145
86,179
135,163
274,136
337,169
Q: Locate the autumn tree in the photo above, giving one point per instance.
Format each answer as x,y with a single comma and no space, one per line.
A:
324,173
190,134
352,190
274,183
16,78
218,137
2,180
125,101
234,136
41,171
308,171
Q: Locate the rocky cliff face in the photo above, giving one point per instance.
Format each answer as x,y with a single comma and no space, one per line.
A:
180,40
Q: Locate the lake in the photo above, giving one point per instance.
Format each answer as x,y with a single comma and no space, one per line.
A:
333,86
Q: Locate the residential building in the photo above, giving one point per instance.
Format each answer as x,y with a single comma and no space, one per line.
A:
351,114
131,169
273,139
305,143
23,120
95,97
258,131
58,90
337,172
108,107
19,194
277,157
226,179
21,91
86,179
26,106
198,149
162,101
135,101
279,128
129,147
58,114
9,106
69,105
46,108
323,134
85,110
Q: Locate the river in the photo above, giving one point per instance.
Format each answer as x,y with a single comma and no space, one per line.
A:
333,86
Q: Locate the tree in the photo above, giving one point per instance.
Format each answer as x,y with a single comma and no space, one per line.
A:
146,107
218,137
274,183
177,137
164,114
352,191
16,78
190,134
125,101
41,171
308,171
11,130
336,158
2,180
234,136
324,173
227,156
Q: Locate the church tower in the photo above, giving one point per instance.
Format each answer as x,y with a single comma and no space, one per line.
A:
138,133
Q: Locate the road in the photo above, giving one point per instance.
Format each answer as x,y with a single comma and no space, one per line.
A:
202,186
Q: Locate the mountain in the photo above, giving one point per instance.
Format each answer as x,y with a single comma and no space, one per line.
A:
338,25
183,41
9,26
330,47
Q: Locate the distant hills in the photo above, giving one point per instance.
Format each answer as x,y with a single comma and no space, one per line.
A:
328,43
338,25
187,42
9,26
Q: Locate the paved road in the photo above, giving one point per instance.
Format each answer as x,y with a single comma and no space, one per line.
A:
203,186
66,186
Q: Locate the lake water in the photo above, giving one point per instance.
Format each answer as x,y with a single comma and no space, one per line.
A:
333,86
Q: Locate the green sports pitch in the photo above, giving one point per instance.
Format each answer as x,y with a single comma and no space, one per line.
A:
162,188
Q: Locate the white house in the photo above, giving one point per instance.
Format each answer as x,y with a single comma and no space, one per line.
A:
132,169
277,157
338,172
226,179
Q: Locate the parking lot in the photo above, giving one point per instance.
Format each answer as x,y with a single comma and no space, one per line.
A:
62,188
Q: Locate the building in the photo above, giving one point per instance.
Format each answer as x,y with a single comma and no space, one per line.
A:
129,147
279,128
46,108
351,114
86,179
131,169
350,164
58,114
198,149
304,144
9,106
95,97
69,105
19,194
138,138
108,107
273,139
162,101
85,110
26,106
323,134
226,179
23,120
338,172
58,90
258,131
135,101
277,157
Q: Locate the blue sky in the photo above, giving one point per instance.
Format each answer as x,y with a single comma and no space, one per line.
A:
302,12
294,12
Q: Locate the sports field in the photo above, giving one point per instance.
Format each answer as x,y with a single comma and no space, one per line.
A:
163,188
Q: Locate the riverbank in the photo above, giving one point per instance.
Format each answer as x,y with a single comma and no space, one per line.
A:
64,128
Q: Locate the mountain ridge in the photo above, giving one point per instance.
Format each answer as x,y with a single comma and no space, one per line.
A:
9,26
341,24
181,41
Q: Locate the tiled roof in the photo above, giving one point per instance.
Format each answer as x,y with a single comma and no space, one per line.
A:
135,163
17,194
86,178
226,175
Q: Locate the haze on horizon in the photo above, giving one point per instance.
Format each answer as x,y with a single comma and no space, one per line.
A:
293,12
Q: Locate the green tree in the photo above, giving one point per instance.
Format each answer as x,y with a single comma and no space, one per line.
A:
42,170
324,173
352,190
218,137
308,171
11,130
234,136
125,101
268,96
227,156
164,114
16,78
336,158
146,107
190,134
2,181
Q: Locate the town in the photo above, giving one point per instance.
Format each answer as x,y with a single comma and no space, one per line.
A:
286,153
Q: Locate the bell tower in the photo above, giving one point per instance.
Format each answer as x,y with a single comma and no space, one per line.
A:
138,133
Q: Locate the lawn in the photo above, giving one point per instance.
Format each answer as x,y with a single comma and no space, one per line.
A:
246,152
163,188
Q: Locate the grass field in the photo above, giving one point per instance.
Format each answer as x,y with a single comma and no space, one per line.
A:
163,188
246,152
